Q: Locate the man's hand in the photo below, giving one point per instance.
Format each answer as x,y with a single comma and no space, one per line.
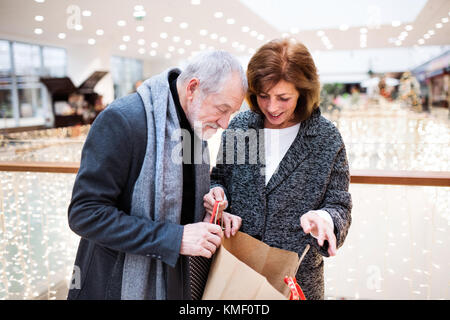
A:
231,222
201,239
215,194
320,228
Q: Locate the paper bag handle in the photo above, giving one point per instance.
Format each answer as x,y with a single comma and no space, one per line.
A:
302,257
214,214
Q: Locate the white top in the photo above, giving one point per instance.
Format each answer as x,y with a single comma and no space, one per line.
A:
277,143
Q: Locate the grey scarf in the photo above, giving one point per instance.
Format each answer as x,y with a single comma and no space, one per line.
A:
158,192
158,189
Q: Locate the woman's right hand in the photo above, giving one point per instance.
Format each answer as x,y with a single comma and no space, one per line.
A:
209,199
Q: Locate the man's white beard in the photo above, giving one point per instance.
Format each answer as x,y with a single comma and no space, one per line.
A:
197,125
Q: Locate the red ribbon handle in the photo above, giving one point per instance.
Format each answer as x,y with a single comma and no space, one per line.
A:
296,291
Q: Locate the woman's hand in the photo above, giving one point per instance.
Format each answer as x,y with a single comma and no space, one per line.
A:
320,228
215,194
231,222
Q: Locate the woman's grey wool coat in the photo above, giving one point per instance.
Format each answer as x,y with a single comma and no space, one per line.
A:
313,175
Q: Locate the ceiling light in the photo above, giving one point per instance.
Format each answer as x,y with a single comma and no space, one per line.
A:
363,45
253,33
235,44
138,8
167,56
181,51
408,27
121,23
426,36
86,13
294,30
140,28
153,53
99,32
141,42
38,31
444,20
231,21
242,47
320,33
285,35
223,39
61,35
396,23
126,38
404,34
398,43
154,44
438,25
202,46
91,41
363,30
78,27
184,25
141,50
195,2
421,41
251,51
187,42
214,36
171,48
431,32
245,29
40,1
39,18
123,47
203,32
176,39
139,14
218,15
168,19
163,35
343,27
260,37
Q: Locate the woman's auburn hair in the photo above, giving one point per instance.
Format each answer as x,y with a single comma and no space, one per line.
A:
284,60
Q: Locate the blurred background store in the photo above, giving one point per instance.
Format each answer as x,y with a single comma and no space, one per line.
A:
385,72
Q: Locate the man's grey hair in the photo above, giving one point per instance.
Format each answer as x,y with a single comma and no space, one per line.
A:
213,68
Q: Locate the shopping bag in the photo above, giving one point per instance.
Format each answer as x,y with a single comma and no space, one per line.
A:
244,268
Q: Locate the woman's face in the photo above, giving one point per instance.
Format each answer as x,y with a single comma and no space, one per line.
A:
278,105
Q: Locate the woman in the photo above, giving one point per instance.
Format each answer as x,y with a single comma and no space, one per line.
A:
294,190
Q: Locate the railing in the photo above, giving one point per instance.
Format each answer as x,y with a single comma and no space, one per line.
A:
37,247
381,177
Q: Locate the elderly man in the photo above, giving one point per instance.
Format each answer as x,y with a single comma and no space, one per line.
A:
137,208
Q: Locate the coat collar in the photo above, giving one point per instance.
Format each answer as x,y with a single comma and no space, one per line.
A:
299,150
309,126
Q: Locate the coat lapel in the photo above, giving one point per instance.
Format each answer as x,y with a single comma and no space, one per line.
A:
298,151
256,122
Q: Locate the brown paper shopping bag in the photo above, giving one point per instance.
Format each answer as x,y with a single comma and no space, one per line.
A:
244,268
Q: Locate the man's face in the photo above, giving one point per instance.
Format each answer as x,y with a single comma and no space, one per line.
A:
209,113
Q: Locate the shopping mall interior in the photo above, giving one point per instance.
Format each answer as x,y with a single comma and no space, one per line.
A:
384,68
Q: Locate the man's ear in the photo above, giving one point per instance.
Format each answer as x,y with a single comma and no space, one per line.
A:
191,88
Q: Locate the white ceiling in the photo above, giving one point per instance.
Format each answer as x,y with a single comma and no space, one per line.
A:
345,26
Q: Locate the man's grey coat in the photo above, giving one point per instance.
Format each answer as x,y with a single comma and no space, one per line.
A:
314,174
100,208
